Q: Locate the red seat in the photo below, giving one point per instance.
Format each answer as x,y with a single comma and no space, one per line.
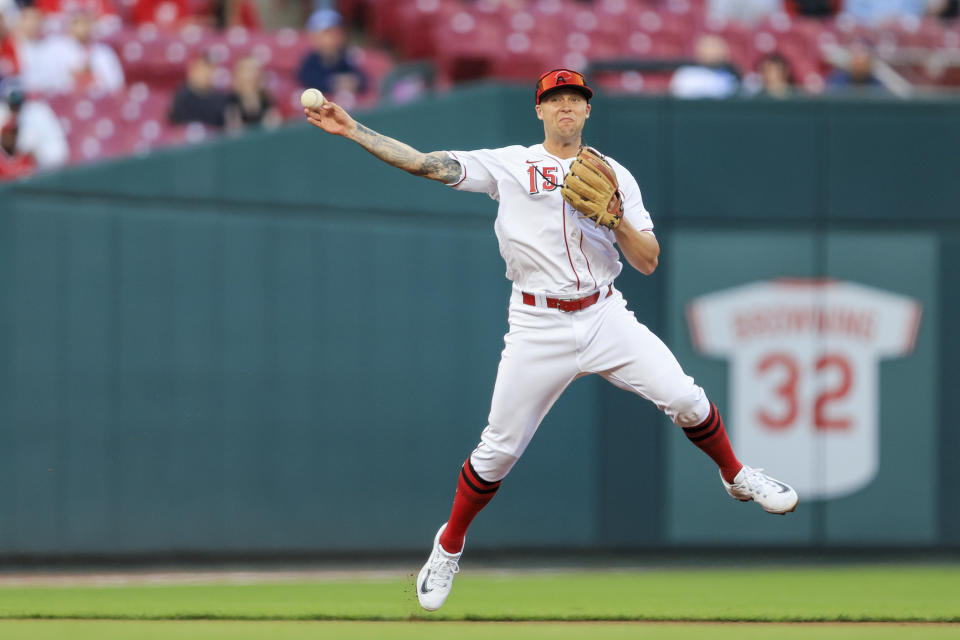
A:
616,10
376,63
467,45
287,49
666,44
416,23
387,18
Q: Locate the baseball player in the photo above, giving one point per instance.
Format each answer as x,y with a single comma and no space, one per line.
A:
562,207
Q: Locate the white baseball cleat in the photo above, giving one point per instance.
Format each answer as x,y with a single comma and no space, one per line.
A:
773,495
436,578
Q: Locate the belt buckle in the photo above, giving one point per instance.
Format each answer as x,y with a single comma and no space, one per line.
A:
577,301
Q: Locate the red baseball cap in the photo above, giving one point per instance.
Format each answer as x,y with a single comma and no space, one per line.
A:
559,78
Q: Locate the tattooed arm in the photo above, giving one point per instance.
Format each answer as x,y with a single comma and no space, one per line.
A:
436,166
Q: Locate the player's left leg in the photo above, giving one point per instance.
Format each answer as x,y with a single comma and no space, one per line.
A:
630,356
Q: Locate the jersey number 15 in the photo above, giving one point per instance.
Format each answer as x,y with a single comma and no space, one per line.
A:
549,175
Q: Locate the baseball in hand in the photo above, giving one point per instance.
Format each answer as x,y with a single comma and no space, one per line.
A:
311,99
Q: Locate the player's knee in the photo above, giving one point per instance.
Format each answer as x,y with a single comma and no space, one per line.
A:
689,410
492,465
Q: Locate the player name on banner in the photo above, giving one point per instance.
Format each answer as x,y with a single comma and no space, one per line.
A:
804,374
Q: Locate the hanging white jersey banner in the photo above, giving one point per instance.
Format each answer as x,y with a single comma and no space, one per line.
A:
804,374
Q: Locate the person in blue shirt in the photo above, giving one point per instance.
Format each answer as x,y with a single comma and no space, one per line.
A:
329,66
858,72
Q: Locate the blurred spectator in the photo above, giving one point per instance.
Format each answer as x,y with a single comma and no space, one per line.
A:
858,72
746,12
37,130
711,77
775,75
233,13
198,100
249,104
83,63
329,66
878,11
163,13
38,69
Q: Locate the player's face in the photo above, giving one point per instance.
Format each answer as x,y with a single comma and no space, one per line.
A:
564,112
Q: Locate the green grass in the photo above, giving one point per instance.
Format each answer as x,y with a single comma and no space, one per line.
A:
286,630
749,595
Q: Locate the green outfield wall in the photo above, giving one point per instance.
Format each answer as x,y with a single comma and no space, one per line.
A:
274,343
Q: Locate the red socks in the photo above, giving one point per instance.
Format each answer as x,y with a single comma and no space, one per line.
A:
473,494
711,438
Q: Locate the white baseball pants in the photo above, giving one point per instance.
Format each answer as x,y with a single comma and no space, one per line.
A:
547,349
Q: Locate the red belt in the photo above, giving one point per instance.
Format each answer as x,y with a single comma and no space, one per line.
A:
576,304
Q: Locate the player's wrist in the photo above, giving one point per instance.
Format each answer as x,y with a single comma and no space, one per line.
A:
350,131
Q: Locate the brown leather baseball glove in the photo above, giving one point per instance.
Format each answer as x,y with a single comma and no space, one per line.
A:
592,189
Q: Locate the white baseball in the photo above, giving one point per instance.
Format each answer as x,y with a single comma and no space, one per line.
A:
311,99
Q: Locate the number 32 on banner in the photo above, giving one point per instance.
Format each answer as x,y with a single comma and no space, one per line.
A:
783,411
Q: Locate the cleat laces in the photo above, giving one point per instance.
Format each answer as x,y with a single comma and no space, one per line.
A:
442,571
757,482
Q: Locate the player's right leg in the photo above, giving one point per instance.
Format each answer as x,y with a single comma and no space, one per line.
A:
538,362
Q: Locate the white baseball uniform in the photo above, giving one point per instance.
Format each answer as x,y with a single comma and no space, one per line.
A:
552,252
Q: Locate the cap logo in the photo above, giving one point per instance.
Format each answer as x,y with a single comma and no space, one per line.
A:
560,78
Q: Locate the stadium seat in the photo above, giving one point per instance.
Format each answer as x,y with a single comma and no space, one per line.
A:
467,43
463,39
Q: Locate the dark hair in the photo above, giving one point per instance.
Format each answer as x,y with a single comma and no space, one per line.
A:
777,58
